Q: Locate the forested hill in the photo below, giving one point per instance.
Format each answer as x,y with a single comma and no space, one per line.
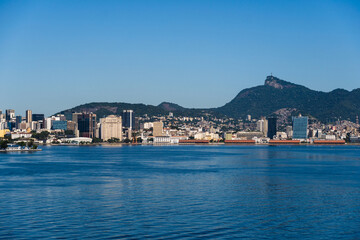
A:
264,100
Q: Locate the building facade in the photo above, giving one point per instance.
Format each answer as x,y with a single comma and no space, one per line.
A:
300,125
111,127
28,116
158,128
10,114
272,127
86,123
38,117
128,119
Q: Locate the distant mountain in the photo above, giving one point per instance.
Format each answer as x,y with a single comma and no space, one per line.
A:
271,98
277,94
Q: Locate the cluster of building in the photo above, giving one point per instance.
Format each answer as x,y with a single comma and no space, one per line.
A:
86,127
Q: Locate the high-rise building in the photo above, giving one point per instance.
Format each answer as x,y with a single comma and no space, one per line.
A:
128,119
75,117
28,116
38,117
111,127
272,127
289,131
86,123
18,121
158,129
10,114
262,126
300,125
47,123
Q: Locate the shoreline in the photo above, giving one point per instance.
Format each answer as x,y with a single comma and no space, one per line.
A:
22,150
201,144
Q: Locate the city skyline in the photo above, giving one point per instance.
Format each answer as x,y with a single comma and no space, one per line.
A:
62,54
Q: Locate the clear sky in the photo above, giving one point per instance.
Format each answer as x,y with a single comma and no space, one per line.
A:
57,54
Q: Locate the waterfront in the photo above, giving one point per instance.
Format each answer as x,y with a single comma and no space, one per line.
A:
167,192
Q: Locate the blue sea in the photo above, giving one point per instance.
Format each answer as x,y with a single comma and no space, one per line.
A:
181,192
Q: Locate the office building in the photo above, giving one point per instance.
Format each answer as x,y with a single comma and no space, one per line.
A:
128,119
10,114
86,123
262,126
158,129
18,121
59,125
38,117
272,127
300,125
47,123
111,127
28,116
72,126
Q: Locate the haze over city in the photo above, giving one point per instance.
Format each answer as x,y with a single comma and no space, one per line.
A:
61,54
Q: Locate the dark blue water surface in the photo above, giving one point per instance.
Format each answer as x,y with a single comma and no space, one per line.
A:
176,192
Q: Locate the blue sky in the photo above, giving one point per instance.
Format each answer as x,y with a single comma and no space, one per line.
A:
58,54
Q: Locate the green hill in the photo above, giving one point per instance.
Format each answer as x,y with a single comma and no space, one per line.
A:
257,101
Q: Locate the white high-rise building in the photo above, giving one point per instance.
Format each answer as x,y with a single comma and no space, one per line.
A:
111,127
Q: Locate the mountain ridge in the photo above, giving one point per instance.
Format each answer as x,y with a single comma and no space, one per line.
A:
262,100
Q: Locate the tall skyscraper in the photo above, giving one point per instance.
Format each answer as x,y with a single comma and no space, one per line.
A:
86,123
300,125
28,116
10,114
128,119
111,127
272,127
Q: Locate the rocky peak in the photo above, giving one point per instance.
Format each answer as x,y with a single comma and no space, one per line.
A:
277,83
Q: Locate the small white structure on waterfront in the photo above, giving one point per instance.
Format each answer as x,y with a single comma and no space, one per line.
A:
76,140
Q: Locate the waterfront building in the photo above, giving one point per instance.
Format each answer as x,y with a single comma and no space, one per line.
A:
86,123
128,119
28,116
272,127
300,125
165,140
289,131
158,128
111,127
247,135
262,126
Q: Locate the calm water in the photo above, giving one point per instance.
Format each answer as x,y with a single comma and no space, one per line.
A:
175,192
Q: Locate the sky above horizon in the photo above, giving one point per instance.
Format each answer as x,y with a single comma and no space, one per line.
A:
58,54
